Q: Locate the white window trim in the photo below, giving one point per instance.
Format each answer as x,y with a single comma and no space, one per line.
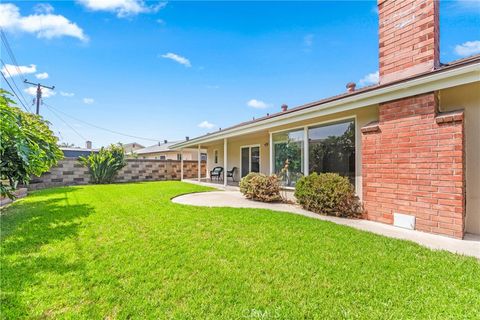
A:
250,146
215,156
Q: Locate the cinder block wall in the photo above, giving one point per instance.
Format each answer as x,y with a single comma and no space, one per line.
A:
70,171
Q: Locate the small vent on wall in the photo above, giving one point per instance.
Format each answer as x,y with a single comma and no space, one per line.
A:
404,221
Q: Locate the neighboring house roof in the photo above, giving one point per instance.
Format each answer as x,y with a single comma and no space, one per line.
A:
348,97
133,145
77,152
157,148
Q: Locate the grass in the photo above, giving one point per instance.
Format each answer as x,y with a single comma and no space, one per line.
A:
125,251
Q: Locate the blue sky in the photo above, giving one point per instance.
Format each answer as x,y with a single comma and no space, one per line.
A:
161,70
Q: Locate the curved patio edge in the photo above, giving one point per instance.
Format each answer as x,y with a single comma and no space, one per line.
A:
470,246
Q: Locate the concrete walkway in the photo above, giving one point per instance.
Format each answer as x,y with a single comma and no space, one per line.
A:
470,246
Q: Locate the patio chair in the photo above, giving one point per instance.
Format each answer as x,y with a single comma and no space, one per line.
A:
231,173
217,172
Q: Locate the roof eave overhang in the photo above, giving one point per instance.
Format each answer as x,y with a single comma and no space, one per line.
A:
431,82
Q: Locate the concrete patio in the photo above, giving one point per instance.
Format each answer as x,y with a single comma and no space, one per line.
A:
214,183
231,197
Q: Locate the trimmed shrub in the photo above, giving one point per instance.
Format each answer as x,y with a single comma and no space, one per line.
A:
329,194
104,165
259,187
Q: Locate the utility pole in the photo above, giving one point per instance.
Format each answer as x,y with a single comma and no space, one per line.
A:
39,92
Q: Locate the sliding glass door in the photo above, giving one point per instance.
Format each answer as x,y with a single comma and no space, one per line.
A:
250,160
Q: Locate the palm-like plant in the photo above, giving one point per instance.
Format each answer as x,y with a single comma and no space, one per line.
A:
104,165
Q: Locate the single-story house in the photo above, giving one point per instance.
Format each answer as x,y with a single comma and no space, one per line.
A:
131,147
410,144
75,152
163,151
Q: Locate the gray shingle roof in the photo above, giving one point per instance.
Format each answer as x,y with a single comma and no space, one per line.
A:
160,147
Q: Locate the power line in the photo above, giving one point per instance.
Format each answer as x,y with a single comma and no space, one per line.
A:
11,88
15,84
9,49
10,53
71,127
101,128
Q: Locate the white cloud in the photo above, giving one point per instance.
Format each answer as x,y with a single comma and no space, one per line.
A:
43,24
468,48
42,75
10,70
88,100
257,104
177,58
46,93
122,8
308,40
371,78
206,125
66,94
212,86
43,8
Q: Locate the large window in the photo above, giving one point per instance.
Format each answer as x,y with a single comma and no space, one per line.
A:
332,149
288,156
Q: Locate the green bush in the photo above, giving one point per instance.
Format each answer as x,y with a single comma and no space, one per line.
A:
104,165
27,146
329,194
259,187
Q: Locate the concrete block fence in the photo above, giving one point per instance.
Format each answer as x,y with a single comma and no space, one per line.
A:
69,171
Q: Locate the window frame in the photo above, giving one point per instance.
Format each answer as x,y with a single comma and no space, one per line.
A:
250,146
306,146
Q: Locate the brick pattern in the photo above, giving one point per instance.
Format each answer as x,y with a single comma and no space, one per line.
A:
70,172
408,38
414,164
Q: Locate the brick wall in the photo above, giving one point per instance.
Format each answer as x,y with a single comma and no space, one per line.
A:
408,38
70,172
413,163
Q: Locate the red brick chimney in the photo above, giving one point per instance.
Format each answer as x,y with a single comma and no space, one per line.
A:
413,157
409,41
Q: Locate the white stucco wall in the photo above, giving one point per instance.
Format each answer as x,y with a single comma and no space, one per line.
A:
467,97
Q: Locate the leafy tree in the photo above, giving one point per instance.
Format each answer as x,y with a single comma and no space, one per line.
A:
27,145
104,165
66,145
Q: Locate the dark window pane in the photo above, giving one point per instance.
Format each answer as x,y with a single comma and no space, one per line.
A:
332,149
255,158
245,161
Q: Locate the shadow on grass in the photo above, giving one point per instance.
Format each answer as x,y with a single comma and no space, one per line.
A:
26,227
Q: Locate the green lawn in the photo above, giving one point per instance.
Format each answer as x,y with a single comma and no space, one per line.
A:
125,251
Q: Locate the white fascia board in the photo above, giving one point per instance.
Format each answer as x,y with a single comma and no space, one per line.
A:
437,81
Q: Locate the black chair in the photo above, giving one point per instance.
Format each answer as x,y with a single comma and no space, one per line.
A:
216,172
231,173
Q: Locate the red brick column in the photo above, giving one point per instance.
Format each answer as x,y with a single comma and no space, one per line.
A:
413,163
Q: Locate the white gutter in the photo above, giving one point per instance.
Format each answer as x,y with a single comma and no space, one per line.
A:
432,82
